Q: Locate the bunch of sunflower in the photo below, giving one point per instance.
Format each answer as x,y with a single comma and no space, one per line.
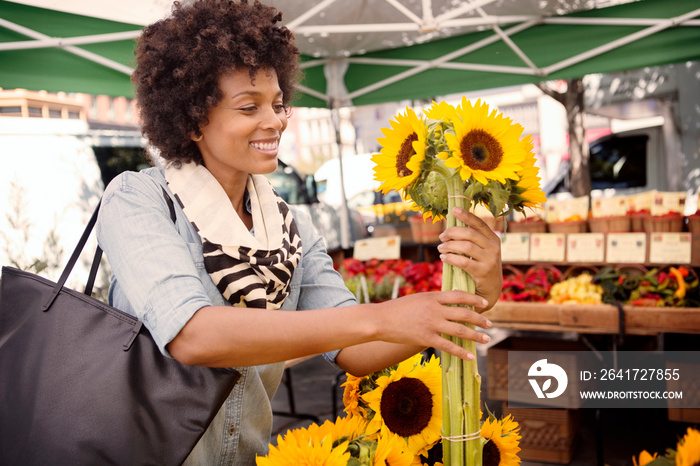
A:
459,157
481,151
393,417
687,453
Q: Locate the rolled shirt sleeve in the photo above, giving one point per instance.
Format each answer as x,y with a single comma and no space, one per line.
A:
155,271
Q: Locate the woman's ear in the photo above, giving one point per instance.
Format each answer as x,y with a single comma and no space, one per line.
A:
196,136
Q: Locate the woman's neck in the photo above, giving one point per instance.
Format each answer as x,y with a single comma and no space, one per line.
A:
235,187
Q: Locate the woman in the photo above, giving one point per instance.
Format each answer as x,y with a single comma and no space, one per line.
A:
213,82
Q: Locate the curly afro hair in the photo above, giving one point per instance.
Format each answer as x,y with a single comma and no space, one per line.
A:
180,59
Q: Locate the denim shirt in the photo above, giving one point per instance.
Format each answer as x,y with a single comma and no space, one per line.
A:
158,276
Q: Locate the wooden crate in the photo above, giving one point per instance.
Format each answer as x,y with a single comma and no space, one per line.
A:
660,319
497,387
548,434
541,313
691,415
691,392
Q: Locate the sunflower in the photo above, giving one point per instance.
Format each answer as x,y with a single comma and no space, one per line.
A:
344,428
403,149
302,446
644,458
433,457
485,146
351,396
408,402
442,111
502,448
391,451
688,449
528,180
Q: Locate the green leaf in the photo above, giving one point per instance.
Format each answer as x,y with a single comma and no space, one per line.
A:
500,195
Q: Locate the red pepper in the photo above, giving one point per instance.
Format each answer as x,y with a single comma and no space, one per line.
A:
649,302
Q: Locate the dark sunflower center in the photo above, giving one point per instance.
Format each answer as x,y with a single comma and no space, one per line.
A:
491,454
404,156
406,406
480,150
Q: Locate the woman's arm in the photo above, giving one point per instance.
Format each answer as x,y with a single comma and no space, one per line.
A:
226,337
374,336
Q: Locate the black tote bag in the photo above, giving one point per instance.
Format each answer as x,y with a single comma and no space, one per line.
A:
84,383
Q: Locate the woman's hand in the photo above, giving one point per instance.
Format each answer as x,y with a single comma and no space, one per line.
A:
420,320
477,250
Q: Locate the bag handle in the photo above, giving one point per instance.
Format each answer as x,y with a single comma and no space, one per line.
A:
98,254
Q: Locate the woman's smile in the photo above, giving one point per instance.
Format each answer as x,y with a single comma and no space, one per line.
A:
267,146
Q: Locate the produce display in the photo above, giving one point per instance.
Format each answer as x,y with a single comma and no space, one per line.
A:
576,290
384,278
670,286
632,286
531,286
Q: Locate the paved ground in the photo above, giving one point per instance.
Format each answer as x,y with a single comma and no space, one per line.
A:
622,432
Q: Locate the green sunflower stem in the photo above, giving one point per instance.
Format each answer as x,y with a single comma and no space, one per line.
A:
461,379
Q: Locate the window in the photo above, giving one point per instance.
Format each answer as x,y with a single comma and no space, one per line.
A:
287,185
11,111
54,113
619,162
35,112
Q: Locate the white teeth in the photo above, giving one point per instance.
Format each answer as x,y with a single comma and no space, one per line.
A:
264,145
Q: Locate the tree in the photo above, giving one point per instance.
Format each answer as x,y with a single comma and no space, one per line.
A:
572,99
18,236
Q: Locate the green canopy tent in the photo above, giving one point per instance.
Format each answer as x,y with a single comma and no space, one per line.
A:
366,52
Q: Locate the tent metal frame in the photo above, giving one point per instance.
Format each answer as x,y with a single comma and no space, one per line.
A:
336,95
429,23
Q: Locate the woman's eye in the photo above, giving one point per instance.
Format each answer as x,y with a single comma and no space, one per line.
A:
280,108
248,109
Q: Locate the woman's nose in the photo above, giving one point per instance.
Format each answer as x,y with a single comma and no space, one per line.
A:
273,120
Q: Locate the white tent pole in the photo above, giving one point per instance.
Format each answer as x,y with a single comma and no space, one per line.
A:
350,28
465,8
488,20
505,38
428,22
481,21
293,24
487,68
405,11
313,63
313,93
614,21
74,50
623,41
409,27
445,65
100,60
437,62
66,41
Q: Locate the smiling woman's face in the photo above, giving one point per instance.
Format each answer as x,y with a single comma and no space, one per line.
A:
244,129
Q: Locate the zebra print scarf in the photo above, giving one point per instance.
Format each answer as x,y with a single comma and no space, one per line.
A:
250,270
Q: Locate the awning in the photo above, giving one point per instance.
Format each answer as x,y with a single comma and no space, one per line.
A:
365,52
